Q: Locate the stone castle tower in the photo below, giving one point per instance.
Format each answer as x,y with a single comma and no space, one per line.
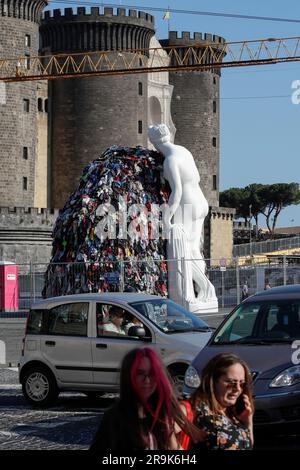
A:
50,130
45,143
195,110
90,114
19,37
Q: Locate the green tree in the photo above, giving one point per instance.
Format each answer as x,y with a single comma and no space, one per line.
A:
235,197
276,197
266,199
255,200
246,201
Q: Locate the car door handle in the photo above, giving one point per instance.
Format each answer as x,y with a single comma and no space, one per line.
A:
50,343
101,346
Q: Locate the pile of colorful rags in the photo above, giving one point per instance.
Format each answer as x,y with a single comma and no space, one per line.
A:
91,250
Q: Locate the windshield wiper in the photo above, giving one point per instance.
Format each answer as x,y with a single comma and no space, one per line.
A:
201,328
204,329
279,340
240,341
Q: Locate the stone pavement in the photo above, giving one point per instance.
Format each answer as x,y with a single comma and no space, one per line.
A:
70,424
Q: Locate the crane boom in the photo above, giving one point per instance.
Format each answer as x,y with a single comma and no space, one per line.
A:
122,62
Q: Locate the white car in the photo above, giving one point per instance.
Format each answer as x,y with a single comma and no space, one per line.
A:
67,346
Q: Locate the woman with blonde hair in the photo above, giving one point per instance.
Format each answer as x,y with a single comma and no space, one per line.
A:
223,404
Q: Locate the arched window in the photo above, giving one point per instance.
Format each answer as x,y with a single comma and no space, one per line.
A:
46,106
155,110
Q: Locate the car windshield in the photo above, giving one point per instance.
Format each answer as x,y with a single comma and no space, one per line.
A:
266,322
169,316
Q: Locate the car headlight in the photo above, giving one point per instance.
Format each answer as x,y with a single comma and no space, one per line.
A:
191,378
288,377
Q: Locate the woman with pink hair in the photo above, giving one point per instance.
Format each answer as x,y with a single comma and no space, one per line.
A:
147,414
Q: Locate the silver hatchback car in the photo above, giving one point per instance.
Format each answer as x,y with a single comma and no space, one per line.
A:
77,342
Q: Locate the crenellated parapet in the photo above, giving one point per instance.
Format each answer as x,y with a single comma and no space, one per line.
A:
186,39
223,213
140,18
30,10
91,31
28,210
27,217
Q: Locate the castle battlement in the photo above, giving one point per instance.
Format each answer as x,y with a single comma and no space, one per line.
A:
185,39
30,10
188,37
33,218
81,31
81,14
28,210
225,213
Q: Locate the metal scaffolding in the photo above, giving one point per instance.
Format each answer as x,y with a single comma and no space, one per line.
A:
122,62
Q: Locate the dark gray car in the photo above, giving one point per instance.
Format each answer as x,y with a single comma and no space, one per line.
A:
264,330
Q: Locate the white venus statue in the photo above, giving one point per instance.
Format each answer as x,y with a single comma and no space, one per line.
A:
188,284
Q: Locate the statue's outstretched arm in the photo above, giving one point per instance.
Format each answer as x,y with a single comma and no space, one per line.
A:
172,175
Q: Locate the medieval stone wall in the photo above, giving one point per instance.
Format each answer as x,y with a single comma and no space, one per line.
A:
19,35
26,234
89,115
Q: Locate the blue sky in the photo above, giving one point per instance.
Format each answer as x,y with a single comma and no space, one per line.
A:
259,137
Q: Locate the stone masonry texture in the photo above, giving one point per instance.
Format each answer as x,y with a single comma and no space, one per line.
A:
90,114
87,115
18,128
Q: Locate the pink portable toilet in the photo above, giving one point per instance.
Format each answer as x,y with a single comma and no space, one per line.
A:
9,295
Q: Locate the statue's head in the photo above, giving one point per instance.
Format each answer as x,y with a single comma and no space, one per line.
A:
159,133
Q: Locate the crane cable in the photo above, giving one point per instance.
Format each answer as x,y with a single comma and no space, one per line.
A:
180,12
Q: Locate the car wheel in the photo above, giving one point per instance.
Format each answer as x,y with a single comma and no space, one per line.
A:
177,377
39,387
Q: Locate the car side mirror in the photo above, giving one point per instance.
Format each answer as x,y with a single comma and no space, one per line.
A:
137,331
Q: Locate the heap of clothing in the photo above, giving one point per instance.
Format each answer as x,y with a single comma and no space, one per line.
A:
103,240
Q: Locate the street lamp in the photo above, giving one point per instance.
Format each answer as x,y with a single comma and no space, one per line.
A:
250,239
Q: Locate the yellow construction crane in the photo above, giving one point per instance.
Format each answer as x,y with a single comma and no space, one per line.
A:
120,62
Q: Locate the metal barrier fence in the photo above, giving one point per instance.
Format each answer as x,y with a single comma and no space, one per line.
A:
268,246
68,278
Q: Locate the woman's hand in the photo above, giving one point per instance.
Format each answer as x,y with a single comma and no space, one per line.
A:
246,416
